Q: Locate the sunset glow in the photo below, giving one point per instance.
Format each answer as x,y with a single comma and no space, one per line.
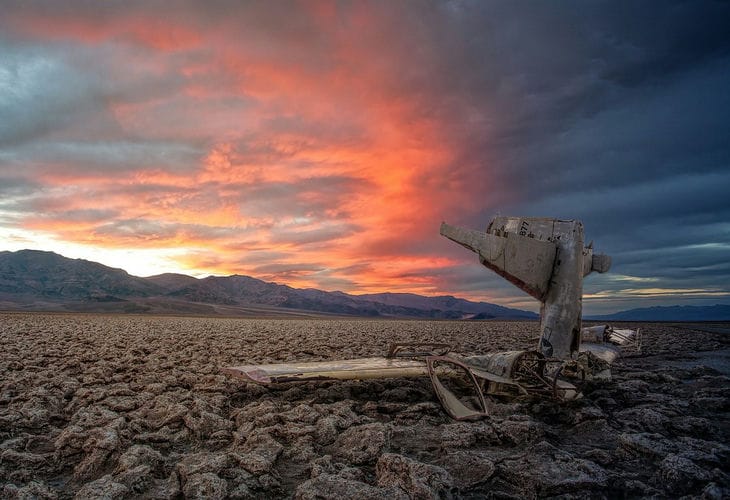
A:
318,144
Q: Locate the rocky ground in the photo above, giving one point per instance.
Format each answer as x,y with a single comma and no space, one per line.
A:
99,406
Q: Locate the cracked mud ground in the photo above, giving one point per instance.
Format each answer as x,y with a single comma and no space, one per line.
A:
135,407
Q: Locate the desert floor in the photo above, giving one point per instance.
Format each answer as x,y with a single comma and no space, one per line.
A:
134,406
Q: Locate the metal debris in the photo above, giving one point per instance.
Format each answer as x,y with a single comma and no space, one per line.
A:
544,257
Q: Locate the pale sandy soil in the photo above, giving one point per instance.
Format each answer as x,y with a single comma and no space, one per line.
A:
135,407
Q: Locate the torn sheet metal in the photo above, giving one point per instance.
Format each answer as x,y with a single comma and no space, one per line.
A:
625,338
607,352
454,406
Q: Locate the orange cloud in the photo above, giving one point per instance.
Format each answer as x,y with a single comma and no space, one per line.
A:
311,150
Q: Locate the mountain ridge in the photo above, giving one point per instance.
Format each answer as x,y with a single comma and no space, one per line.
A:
717,312
37,280
42,280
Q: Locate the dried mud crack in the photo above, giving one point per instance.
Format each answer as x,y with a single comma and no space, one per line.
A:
95,406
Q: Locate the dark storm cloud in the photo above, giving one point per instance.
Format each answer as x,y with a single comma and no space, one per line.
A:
618,118
582,95
661,132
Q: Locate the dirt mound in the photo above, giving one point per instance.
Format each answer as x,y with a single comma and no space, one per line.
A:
119,406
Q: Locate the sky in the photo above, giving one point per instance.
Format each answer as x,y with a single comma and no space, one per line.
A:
320,144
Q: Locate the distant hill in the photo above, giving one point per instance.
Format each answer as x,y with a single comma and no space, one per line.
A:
34,280
52,276
718,312
447,302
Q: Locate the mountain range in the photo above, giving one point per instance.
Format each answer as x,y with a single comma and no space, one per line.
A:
33,280
718,312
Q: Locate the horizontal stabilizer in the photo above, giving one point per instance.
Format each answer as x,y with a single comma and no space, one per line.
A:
524,261
600,263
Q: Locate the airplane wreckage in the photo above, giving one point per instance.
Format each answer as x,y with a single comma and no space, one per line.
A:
544,257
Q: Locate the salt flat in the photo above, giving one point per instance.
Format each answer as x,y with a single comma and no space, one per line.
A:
136,406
